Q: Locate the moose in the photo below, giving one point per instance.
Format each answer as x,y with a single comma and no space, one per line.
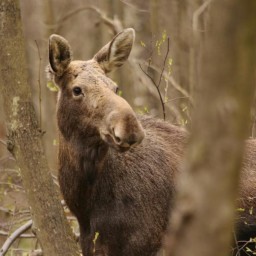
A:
117,170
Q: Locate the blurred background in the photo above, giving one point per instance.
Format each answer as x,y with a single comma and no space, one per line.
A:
164,60
89,25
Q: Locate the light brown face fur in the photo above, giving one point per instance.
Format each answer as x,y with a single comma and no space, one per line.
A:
87,101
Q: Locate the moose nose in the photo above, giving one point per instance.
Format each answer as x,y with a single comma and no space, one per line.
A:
129,141
125,129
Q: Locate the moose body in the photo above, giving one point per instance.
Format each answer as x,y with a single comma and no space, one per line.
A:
126,199
117,171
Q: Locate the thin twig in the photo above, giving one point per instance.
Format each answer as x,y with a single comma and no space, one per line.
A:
160,78
39,87
165,58
157,88
171,80
76,11
242,248
14,236
237,247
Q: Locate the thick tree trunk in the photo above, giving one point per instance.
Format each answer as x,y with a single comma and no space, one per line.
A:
50,224
201,224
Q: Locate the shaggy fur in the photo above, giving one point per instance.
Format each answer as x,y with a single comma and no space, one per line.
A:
117,171
125,197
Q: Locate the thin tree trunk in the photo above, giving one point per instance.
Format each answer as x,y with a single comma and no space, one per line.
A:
202,222
49,221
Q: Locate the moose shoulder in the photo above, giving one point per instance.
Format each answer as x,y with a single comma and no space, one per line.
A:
117,170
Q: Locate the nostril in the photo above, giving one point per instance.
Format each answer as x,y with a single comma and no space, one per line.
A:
132,142
118,140
116,137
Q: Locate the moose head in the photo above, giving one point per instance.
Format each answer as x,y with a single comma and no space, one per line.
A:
88,105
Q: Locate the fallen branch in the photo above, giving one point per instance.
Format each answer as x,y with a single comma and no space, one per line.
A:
5,233
14,236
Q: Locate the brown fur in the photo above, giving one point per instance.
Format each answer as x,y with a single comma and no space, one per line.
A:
117,171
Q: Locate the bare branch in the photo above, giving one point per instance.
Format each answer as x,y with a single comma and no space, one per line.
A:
158,90
197,14
160,78
14,236
133,6
171,80
114,24
165,58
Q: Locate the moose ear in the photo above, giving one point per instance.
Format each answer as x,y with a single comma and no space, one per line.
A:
117,51
59,54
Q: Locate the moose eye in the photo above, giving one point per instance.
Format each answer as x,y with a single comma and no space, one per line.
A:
77,91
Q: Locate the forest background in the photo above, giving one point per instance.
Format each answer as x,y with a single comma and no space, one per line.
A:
165,61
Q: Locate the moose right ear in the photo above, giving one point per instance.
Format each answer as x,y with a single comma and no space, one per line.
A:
117,51
59,54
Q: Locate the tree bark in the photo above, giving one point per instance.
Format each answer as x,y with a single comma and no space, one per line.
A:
50,224
202,222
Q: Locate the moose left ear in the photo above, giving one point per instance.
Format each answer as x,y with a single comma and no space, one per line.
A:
59,54
117,51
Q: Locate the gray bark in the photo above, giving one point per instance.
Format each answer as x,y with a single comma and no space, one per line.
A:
50,224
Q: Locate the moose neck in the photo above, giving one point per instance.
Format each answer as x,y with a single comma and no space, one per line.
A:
89,150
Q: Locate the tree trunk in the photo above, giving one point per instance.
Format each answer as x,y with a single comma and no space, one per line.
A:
202,222
49,221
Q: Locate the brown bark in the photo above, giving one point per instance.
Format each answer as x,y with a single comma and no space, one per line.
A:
201,224
50,224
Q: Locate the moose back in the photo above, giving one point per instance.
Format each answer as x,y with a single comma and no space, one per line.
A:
116,170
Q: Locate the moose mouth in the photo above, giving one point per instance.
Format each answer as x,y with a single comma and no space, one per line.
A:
115,144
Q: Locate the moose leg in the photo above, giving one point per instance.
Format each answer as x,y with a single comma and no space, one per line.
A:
86,242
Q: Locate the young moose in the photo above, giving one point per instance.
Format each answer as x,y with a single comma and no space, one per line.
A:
116,170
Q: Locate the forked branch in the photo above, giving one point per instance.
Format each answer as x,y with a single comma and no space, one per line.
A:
157,85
